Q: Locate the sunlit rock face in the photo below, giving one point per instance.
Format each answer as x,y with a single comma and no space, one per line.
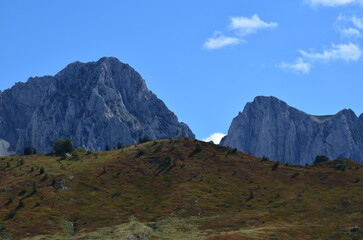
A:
95,104
269,127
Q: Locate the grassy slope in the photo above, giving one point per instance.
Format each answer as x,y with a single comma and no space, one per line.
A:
167,189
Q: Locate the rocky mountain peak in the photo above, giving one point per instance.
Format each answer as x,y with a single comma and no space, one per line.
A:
269,127
95,104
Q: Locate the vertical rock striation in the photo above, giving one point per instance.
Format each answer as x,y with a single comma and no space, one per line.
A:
269,127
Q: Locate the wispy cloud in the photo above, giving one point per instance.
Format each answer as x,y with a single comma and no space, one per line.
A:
246,26
349,26
347,52
239,27
298,66
215,137
351,32
332,3
219,40
344,52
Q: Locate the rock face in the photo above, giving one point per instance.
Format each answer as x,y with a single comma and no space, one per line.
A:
269,127
95,104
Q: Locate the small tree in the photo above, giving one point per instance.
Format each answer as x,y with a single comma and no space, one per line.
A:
107,148
119,145
144,140
61,147
321,159
28,151
275,166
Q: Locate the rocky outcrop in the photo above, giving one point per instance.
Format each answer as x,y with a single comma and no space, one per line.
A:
95,104
269,127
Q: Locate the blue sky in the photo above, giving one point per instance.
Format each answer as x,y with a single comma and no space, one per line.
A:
204,59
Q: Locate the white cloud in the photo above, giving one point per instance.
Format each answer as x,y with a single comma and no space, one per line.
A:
347,52
332,3
299,66
246,26
349,26
215,137
350,32
358,22
219,40
240,27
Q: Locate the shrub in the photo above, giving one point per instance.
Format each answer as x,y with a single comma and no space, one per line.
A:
75,157
321,159
45,178
140,153
107,148
265,159
232,151
20,205
10,215
295,175
340,164
119,145
81,150
144,139
197,149
10,201
63,146
28,151
22,192
41,171
2,228
252,196
275,166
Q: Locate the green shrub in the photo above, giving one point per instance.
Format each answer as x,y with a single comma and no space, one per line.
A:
81,150
144,139
119,145
140,153
2,228
275,166
295,175
63,146
28,151
340,164
45,178
265,159
20,205
10,215
197,149
22,192
107,148
321,159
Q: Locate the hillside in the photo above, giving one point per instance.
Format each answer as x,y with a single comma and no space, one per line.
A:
177,189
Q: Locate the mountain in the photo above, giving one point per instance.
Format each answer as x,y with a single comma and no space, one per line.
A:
177,189
95,104
269,127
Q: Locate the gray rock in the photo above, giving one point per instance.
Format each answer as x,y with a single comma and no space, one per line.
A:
269,127
95,104
354,229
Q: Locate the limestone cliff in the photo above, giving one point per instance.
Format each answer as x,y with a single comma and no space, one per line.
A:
269,127
95,104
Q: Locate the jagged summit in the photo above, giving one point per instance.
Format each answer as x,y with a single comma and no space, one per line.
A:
270,127
95,104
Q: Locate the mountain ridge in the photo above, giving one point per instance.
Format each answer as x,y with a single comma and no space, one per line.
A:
95,104
270,127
